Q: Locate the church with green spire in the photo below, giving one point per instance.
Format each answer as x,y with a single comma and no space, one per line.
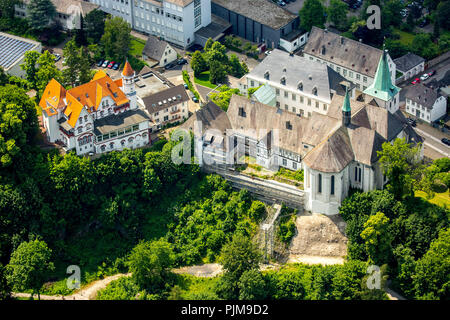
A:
382,90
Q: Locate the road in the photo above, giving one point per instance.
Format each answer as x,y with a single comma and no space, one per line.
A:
434,143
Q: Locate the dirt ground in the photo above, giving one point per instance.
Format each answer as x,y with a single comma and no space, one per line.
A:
320,239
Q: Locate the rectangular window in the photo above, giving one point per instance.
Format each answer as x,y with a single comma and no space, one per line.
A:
113,134
319,183
286,94
332,185
128,130
284,162
294,165
135,127
293,97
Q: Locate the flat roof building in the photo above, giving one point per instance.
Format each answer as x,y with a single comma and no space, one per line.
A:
12,53
259,21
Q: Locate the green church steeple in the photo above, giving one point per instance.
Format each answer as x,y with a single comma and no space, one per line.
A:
382,86
346,109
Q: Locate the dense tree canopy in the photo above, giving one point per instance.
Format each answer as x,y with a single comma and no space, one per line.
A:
116,39
41,13
312,14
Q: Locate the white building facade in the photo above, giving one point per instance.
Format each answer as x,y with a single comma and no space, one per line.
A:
175,21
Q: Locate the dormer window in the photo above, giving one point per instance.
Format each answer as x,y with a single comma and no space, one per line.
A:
284,69
323,49
241,112
314,91
266,75
283,81
288,125
300,86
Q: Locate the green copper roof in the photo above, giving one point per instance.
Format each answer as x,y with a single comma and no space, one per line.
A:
382,87
346,105
266,94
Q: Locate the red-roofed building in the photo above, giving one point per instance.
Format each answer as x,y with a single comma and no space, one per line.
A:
99,116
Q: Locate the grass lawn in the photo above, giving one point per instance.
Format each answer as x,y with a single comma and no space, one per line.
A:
203,80
406,38
440,199
136,47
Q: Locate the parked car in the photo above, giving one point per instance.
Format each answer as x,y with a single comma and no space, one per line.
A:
404,12
446,141
412,122
169,66
416,80
424,77
116,66
423,23
182,61
57,56
186,86
195,99
105,64
432,73
111,64
281,3
100,63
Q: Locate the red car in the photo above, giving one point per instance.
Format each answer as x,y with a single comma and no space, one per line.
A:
110,65
432,73
416,80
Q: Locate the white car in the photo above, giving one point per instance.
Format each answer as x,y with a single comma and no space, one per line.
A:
425,76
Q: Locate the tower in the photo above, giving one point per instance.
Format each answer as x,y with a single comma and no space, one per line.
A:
386,94
346,110
128,79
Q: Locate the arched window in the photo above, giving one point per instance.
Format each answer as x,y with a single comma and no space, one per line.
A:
332,185
319,185
130,140
122,142
103,148
111,145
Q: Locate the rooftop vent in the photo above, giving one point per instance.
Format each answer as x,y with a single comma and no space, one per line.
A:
174,98
87,95
170,99
160,103
165,101
310,77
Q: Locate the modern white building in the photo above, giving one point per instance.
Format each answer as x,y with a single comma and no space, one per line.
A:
99,116
12,53
301,86
425,103
354,60
175,21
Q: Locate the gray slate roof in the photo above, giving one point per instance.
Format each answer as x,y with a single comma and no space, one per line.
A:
351,54
160,100
211,116
262,11
120,121
154,48
408,61
422,95
297,70
260,119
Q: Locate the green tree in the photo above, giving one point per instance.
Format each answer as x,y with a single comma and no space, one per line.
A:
94,25
30,266
237,256
252,286
431,4
423,46
7,8
236,68
223,97
390,11
30,67
444,42
198,63
217,72
400,162
41,13
4,79
18,126
337,14
432,277
312,14
208,44
78,69
257,210
377,238
47,71
150,264
442,14
116,39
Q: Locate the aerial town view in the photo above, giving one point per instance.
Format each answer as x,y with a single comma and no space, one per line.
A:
205,151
